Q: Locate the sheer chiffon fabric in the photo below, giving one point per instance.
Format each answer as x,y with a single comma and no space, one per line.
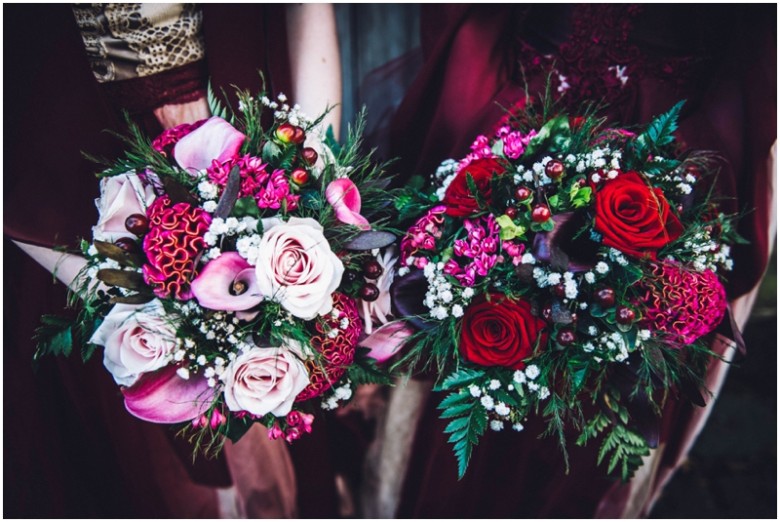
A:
477,61
70,448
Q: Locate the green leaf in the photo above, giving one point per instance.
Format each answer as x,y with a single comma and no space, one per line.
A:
53,337
557,129
509,230
461,378
215,106
454,399
246,207
365,370
121,278
113,252
456,411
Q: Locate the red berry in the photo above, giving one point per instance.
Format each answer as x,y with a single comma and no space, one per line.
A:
372,269
369,292
511,212
309,155
624,315
559,290
540,213
137,224
523,193
605,297
547,312
554,169
582,182
299,136
299,176
127,244
287,133
565,336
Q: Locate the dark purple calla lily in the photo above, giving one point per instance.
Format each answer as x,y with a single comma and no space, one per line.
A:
163,397
564,247
408,296
227,283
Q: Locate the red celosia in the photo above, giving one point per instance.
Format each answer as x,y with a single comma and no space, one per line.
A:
174,240
682,303
336,352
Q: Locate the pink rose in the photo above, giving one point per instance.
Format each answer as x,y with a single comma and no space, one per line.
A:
120,197
137,340
264,380
297,268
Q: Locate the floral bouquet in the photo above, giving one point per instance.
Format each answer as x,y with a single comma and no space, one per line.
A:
233,271
568,270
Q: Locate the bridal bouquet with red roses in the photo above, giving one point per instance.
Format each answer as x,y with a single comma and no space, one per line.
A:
233,272
569,270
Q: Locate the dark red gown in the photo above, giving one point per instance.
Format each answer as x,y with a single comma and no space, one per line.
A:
70,448
721,58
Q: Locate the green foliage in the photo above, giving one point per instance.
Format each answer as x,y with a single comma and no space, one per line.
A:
365,370
658,134
469,422
53,337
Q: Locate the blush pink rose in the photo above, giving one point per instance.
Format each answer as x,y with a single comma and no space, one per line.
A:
120,197
264,380
297,268
137,340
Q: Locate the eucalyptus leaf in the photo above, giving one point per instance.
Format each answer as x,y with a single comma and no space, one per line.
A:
230,194
115,253
122,278
177,192
370,240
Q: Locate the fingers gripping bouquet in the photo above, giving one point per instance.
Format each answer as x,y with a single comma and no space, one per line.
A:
567,270
216,277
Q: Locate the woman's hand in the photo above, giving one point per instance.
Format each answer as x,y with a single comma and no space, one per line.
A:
175,114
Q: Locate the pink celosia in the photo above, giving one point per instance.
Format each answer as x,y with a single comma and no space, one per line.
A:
336,339
682,303
174,240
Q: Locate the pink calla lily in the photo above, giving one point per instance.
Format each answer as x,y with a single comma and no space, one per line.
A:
163,397
344,197
386,340
227,283
214,140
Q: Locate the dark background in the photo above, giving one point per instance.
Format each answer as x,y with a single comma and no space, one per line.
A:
732,470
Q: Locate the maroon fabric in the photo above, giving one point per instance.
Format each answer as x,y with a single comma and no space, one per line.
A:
478,58
70,448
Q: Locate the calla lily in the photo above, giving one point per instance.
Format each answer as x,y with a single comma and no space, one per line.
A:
386,340
227,283
344,197
214,140
165,398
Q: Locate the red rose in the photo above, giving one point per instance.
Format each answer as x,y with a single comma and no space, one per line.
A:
635,218
500,332
458,199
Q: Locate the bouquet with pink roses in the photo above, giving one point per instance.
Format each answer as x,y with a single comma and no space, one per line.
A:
234,270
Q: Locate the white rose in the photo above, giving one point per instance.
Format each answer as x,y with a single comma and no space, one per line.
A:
120,197
297,268
264,380
137,339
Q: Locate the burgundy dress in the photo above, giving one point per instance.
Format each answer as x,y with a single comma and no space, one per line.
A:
70,448
640,60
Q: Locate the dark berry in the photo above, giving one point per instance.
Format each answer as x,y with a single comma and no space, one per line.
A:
127,244
137,224
554,169
309,155
624,315
559,290
511,212
540,213
369,292
565,336
372,269
605,297
523,193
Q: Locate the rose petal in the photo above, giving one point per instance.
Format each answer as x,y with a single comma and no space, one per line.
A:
386,340
212,286
214,140
344,196
165,398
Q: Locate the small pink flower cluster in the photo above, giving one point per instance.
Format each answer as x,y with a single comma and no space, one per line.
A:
515,250
174,240
479,149
270,190
480,246
298,423
422,236
217,419
514,142
336,338
683,303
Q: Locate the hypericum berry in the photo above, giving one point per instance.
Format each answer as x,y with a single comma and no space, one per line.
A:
127,244
137,224
287,133
350,276
624,315
554,169
523,193
511,212
559,290
369,292
547,312
372,269
299,176
605,297
565,336
540,213
309,155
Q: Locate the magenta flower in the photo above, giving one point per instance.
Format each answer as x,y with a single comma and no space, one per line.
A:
165,398
275,192
344,197
214,140
227,283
